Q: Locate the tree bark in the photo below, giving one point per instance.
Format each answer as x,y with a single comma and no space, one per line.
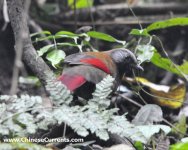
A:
18,19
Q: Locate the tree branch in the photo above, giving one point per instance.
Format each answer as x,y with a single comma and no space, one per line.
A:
18,19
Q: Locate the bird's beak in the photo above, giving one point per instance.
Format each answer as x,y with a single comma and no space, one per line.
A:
138,67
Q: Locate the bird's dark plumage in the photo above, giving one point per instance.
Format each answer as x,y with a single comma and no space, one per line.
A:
84,70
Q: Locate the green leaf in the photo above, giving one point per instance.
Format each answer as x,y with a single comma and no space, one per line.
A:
80,3
50,37
144,53
138,32
44,49
47,48
181,126
103,36
55,57
58,36
39,33
179,146
66,34
167,24
139,146
59,45
167,64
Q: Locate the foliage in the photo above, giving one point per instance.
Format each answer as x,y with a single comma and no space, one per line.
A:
55,57
94,116
139,146
142,32
103,36
80,3
150,130
102,91
181,126
172,96
167,23
40,33
179,146
53,51
58,91
147,52
160,25
14,116
168,65
148,114
25,115
144,52
145,119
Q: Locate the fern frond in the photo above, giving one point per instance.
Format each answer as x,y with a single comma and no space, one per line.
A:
58,91
103,89
24,115
14,116
121,126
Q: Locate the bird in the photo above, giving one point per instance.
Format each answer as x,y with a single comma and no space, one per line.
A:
83,70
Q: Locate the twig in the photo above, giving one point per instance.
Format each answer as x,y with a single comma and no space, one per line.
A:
174,65
36,28
130,100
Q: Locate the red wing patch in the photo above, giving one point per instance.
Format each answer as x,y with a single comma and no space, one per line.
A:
97,63
72,82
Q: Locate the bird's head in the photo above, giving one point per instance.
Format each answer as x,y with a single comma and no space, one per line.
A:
125,60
